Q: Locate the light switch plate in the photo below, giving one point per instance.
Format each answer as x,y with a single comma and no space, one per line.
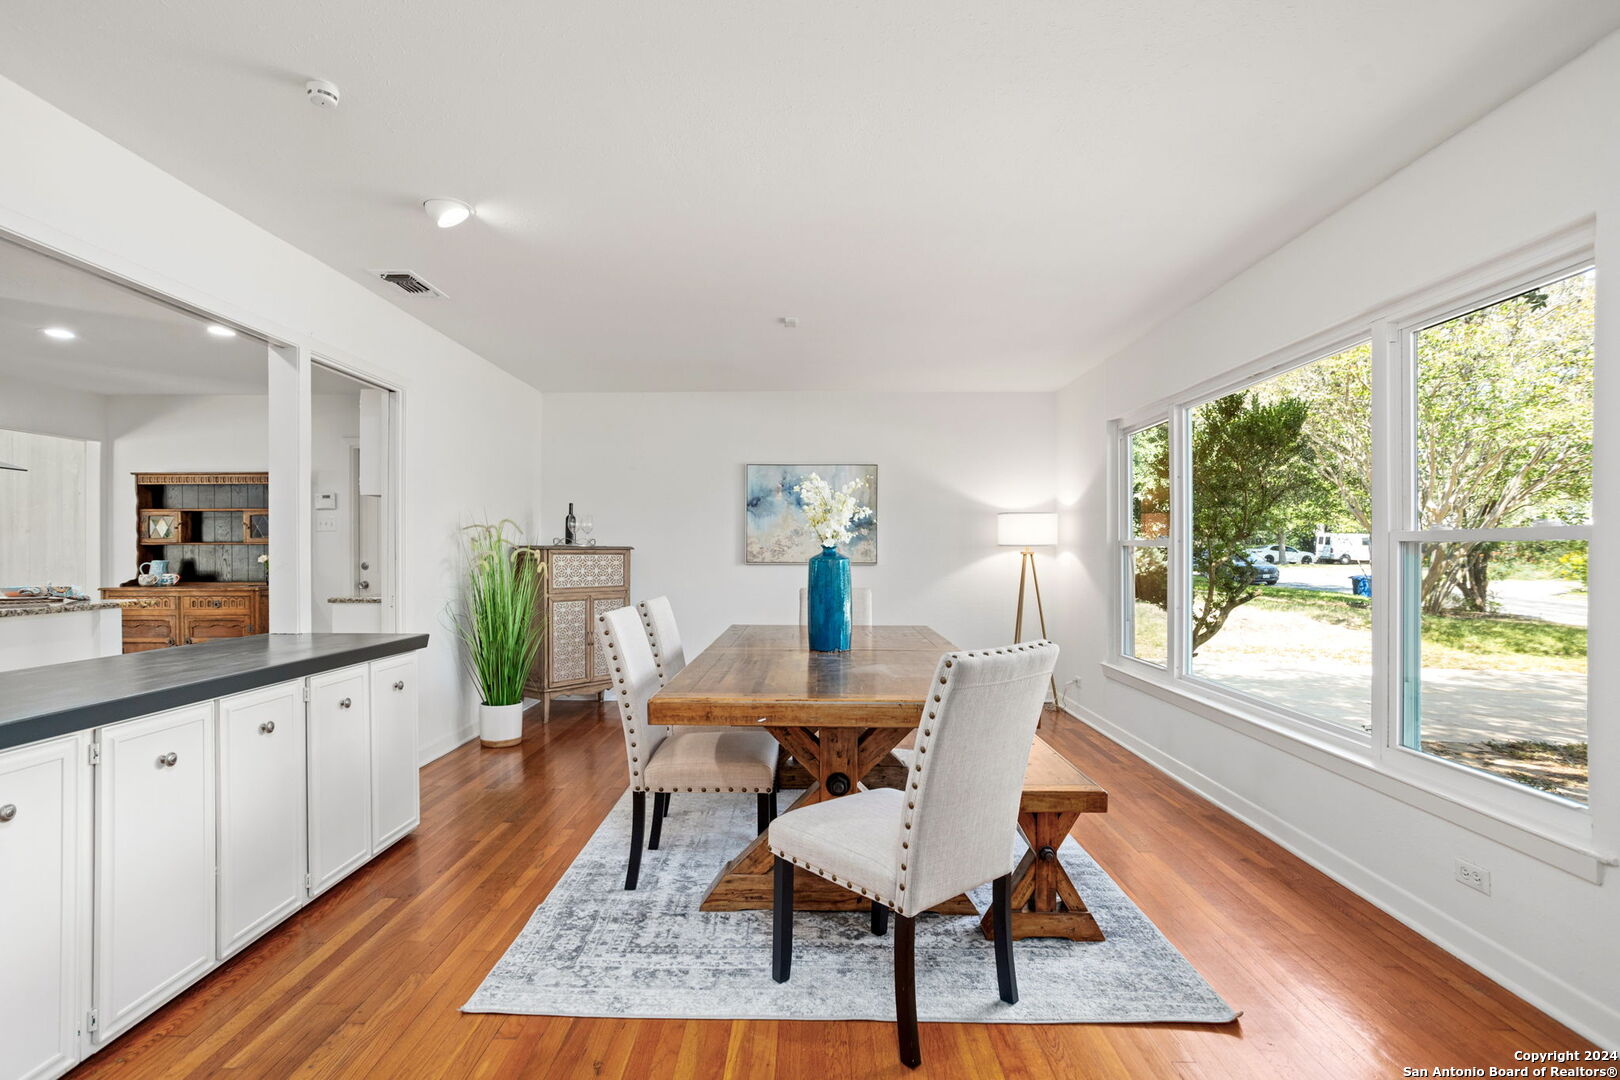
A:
326,521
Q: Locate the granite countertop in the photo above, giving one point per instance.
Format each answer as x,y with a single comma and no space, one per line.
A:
58,699
46,608
354,599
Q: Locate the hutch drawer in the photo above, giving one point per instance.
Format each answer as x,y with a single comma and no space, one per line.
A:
243,603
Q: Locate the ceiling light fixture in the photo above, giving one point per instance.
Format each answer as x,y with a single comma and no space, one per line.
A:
447,213
221,331
60,333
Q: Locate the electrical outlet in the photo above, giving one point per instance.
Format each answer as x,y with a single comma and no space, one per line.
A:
1475,877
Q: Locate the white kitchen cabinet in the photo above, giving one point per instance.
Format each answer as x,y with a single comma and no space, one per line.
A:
44,914
262,837
155,862
396,806
339,774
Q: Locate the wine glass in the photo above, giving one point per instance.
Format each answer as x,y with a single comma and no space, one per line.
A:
585,526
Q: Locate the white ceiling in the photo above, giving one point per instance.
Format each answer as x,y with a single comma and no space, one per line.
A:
948,194
127,343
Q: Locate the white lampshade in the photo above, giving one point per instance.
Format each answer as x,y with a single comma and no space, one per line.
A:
1026,530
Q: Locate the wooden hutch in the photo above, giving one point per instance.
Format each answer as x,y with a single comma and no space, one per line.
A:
211,528
580,583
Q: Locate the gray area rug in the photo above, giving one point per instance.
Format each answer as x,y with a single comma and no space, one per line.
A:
593,949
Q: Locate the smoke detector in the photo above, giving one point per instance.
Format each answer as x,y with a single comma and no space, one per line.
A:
321,94
406,281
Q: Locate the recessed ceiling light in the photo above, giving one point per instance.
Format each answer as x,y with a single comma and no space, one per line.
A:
447,213
60,333
221,331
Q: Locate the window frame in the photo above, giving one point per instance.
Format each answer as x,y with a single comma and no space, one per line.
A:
1280,363
1537,818
1125,550
1405,543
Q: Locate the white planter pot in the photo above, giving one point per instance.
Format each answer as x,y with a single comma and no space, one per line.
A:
500,725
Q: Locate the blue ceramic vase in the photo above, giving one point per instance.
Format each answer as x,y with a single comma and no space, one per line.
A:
829,602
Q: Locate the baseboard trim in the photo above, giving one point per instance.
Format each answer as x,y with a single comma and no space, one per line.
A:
436,749
1536,985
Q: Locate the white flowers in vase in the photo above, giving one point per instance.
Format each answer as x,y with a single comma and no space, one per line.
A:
830,512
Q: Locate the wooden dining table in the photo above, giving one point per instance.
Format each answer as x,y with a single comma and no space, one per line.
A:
839,714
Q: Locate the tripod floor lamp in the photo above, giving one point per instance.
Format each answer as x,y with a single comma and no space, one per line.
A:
1028,531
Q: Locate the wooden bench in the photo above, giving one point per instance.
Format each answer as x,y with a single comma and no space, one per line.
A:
1045,902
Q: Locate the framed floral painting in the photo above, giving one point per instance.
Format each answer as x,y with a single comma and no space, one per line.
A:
776,531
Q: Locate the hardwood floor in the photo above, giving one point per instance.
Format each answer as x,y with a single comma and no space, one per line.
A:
366,981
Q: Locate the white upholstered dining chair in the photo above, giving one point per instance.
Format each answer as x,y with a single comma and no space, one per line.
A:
658,620
949,830
664,760
860,607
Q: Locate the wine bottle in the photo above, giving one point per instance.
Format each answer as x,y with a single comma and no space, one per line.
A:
569,536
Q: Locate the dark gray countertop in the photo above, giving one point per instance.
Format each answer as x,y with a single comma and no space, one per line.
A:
44,702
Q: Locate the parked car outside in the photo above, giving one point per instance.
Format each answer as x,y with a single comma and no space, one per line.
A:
1269,554
1259,573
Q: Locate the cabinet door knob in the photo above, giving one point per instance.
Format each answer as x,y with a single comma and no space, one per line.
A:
7,812
345,703
168,760
400,685
267,728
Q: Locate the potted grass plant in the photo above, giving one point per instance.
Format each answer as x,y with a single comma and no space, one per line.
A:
500,626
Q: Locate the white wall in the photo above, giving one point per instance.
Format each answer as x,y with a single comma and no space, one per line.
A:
665,474
44,510
26,405
472,443
1543,162
336,418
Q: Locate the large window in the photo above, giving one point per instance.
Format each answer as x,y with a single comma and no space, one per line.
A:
1494,577
1384,543
1281,519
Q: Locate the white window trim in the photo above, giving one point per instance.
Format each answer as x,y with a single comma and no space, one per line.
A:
1125,550
1399,621
1549,828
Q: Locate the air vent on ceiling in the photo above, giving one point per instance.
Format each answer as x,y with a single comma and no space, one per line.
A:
408,282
